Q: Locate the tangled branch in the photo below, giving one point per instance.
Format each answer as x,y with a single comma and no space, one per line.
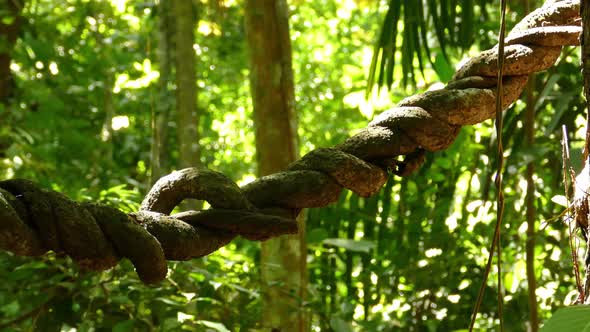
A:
34,220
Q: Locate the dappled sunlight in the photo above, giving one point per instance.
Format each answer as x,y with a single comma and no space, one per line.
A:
123,81
119,122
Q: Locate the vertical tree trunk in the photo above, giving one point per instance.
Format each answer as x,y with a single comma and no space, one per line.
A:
531,212
283,263
165,101
187,120
9,28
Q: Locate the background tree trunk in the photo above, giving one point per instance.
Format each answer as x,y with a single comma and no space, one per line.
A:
9,30
283,262
186,88
165,100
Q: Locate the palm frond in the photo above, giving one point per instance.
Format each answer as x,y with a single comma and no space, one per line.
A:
450,22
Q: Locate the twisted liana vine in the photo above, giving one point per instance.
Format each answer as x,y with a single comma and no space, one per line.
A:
34,220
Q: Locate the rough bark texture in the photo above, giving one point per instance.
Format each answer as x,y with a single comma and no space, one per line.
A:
165,101
187,121
33,220
271,81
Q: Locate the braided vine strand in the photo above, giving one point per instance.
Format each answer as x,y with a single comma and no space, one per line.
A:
33,220
96,237
432,120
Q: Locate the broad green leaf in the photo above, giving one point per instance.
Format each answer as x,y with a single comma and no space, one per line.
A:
216,326
574,319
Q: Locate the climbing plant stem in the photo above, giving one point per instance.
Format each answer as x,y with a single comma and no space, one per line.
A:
498,182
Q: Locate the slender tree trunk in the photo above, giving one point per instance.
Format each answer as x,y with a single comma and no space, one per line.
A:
165,100
9,29
187,120
283,263
531,212
585,45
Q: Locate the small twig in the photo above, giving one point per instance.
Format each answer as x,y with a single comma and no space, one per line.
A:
498,182
573,249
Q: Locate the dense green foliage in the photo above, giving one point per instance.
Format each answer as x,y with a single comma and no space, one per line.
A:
411,257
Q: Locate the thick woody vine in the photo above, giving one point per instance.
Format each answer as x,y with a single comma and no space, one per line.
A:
34,220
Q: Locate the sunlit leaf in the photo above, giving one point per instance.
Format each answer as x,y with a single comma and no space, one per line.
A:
215,326
575,318
560,199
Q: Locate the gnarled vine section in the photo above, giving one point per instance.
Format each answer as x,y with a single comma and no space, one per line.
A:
34,220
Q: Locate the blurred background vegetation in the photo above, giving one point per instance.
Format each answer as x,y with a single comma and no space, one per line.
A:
90,78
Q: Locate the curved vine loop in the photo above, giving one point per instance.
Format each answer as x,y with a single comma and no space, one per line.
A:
33,220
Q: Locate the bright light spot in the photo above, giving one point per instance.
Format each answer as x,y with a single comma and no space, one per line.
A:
358,311
571,297
454,298
208,28
91,20
395,305
53,68
333,23
105,135
433,252
345,10
189,296
559,199
119,122
197,48
377,308
132,20
374,278
318,55
119,5
473,205
14,66
39,65
440,314
181,317
436,86
17,161
523,227
451,222
357,99
522,184
119,83
422,263
556,254
149,76
547,292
